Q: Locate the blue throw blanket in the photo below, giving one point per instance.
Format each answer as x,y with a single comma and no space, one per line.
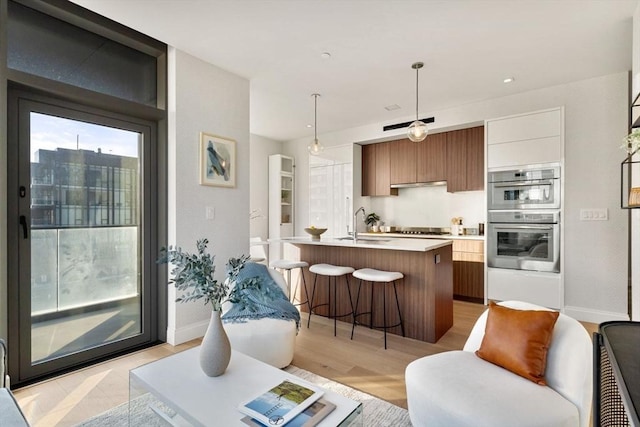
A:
265,300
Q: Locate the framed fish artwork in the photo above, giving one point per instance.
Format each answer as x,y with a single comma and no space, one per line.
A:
217,160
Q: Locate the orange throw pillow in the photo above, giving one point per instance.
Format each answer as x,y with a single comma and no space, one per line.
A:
518,340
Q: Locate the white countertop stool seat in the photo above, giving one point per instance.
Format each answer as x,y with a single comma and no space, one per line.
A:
288,265
330,271
373,276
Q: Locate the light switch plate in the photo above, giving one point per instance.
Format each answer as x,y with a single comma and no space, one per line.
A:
594,214
210,213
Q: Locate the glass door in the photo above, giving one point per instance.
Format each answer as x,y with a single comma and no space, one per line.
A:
81,287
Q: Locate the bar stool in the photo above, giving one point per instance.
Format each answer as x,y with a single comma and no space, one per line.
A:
330,271
378,276
288,265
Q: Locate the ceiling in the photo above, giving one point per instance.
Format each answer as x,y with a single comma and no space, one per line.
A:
468,48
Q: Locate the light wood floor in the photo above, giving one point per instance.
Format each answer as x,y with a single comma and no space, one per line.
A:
363,364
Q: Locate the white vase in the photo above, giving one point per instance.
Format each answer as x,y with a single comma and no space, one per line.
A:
215,351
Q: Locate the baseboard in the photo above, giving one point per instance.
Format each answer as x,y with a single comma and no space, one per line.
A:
593,316
176,336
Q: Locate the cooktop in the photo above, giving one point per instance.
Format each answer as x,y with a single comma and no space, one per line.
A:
427,231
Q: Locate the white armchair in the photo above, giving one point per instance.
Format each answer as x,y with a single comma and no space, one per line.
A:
458,388
269,340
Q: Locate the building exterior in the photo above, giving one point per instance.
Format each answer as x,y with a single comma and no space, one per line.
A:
80,188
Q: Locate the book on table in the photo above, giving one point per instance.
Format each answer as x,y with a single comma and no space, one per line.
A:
280,404
310,417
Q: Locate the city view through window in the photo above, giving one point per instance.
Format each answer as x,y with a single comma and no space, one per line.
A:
84,214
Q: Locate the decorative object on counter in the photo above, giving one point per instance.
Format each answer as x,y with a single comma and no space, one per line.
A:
456,226
417,130
372,220
315,232
481,229
469,231
193,274
315,147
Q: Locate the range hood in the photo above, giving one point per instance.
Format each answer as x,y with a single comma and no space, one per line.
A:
419,184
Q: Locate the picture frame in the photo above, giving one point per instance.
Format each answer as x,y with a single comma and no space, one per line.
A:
217,161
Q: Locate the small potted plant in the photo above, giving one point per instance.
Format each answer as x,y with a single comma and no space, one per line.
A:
631,143
372,221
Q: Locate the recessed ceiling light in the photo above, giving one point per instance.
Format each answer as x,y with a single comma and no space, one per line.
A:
325,55
392,107
309,125
508,80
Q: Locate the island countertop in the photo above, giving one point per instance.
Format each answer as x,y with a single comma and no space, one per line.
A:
414,245
425,293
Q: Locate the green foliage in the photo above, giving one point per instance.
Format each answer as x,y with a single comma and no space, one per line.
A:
371,219
193,274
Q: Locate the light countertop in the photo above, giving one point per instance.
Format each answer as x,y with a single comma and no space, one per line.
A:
368,242
422,236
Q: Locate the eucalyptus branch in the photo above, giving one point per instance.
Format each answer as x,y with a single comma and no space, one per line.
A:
193,274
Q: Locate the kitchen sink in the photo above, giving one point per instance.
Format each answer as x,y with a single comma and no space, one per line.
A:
365,239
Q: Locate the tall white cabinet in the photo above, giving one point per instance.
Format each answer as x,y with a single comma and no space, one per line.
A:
513,142
281,201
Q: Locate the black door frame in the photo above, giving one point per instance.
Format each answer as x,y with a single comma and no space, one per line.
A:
20,102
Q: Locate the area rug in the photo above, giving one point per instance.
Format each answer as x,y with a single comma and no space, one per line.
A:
376,412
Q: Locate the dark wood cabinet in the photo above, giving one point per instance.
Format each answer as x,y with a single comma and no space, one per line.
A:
402,161
468,270
456,157
368,170
431,155
376,176
465,159
475,158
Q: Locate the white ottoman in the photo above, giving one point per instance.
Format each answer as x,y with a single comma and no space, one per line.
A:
271,341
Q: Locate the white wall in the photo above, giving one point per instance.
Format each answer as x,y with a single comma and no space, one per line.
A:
204,98
429,207
596,120
261,149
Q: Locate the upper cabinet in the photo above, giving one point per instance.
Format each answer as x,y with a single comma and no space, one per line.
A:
456,157
376,173
523,139
465,159
402,161
431,155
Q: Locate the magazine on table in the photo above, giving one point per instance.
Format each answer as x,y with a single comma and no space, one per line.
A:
310,417
280,404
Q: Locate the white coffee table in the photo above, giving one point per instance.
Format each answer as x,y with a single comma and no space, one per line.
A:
175,389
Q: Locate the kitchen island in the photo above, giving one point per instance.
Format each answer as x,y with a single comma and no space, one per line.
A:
425,293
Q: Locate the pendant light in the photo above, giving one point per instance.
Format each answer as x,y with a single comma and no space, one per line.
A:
417,130
315,147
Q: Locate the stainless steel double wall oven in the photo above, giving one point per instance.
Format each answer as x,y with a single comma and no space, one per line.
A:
524,218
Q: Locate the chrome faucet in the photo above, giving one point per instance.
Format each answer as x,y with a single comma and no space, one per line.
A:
355,224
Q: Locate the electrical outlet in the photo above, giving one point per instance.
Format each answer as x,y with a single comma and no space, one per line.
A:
594,214
210,213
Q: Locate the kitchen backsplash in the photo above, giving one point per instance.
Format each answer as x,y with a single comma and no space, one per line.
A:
429,207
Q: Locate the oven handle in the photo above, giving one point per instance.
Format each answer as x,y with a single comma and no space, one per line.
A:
523,184
524,227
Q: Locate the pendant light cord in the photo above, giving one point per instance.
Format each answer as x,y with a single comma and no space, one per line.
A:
315,118
417,70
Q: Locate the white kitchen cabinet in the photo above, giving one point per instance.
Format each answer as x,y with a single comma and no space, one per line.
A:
536,287
526,139
281,201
